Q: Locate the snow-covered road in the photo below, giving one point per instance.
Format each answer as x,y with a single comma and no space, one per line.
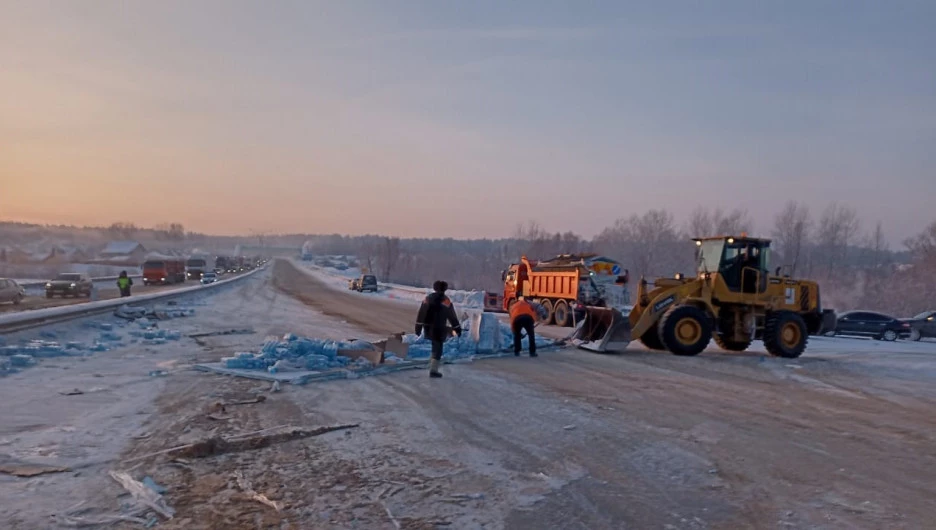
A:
841,437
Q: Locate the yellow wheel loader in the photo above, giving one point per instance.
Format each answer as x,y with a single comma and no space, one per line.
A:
733,299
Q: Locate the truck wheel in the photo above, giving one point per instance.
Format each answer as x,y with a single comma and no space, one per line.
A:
651,339
730,344
685,330
549,307
785,335
561,314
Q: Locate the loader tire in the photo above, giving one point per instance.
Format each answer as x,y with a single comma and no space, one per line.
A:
651,339
731,345
685,330
785,335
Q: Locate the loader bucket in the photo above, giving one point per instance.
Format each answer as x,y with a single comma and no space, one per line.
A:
603,329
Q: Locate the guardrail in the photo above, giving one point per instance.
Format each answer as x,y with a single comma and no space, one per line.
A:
18,321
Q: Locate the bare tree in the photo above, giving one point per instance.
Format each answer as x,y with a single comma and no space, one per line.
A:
389,256
122,230
791,233
703,222
923,245
837,229
648,243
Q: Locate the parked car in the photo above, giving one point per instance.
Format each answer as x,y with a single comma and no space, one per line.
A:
367,282
871,324
922,325
10,291
69,284
209,277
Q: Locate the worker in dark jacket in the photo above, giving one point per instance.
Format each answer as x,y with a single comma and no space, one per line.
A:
523,317
123,283
435,314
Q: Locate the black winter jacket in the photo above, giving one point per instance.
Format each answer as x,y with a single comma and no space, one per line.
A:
435,313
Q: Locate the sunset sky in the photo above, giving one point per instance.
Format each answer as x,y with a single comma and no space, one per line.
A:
463,119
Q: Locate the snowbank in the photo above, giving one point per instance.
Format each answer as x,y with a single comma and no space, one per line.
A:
338,279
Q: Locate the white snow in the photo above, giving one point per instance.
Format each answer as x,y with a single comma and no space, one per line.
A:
339,279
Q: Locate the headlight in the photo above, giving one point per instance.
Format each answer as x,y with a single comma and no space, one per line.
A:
48,285
162,279
72,285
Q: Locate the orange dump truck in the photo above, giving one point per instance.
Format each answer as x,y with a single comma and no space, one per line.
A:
560,285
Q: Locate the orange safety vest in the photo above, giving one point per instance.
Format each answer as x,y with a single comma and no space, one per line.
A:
522,307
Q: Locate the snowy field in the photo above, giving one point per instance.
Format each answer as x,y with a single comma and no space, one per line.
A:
339,280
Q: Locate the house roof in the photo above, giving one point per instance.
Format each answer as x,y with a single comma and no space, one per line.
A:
121,247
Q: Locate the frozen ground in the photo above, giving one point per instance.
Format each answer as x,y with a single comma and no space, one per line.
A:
840,438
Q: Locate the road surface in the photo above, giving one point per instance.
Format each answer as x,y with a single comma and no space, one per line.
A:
840,438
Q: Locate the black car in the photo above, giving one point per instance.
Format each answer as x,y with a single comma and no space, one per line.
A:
922,325
871,324
69,283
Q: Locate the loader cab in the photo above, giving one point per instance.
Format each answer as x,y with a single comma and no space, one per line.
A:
743,263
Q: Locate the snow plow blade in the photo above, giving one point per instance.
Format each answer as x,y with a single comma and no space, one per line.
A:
603,329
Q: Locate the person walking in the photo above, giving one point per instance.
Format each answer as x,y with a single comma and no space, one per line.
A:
435,314
523,316
123,283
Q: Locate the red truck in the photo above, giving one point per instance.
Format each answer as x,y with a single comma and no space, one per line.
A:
163,271
561,286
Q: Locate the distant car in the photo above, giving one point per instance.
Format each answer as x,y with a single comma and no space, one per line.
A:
10,291
69,284
871,324
219,271
922,325
367,282
209,277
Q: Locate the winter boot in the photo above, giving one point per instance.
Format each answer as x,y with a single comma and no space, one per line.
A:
434,368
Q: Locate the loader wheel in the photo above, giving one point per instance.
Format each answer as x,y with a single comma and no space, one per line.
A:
651,339
561,314
685,330
785,335
731,345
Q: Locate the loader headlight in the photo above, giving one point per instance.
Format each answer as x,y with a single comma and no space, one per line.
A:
678,276
730,240
698,243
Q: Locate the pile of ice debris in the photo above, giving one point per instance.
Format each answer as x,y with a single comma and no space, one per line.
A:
483,334
140,329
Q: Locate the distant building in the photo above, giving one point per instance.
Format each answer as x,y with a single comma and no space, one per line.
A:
125,252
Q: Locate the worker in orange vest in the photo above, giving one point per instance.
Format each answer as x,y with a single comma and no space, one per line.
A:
523,316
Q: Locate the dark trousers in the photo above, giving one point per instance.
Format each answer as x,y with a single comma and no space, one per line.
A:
437,346
523,323
124,291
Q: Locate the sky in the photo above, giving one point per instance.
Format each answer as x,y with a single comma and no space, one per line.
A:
463,119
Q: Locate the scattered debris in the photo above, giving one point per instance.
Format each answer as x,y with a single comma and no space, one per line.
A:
569,427
275,387
467,496
396,524
24,469
243,484
244,442
74,392
245,331
151,484
143,494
